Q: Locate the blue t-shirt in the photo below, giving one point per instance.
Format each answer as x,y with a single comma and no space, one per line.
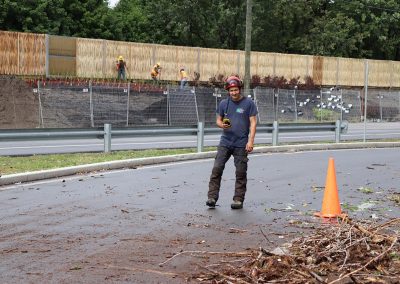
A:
239,114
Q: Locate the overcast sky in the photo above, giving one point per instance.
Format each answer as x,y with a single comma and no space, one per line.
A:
113,2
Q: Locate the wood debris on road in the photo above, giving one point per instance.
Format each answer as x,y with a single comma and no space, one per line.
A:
347,252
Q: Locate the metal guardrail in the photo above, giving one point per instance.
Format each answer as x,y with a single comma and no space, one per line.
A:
107,132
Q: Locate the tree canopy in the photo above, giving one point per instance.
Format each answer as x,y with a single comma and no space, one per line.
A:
344,28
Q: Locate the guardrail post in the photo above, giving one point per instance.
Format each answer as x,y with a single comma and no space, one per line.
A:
107,138
200,137
338,130
275,132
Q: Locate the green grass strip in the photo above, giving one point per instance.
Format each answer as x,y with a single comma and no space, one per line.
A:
21,164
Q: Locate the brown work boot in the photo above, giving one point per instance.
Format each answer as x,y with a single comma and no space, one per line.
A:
237,204
211,202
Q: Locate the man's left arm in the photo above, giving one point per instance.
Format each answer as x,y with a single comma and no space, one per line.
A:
252,135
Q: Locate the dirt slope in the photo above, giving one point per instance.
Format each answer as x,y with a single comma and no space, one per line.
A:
19,107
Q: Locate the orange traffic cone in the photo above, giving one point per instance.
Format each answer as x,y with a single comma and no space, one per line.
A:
330,203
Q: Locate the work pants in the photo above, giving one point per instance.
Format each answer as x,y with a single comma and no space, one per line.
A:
121,74
240,161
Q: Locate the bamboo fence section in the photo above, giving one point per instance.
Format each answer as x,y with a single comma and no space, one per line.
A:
210,63
262,63
90,58
317,74
172,59
348,75
9,59
22,53
329,68
301,64
113,50
379,73
283,66
141,60
26,54
228,62
395,74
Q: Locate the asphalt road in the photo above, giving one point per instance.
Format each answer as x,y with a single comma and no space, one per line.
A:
355,132
118,226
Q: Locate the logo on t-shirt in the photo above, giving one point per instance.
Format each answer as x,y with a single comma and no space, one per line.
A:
239,110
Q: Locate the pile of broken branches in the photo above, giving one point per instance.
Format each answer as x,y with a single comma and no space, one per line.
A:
348,252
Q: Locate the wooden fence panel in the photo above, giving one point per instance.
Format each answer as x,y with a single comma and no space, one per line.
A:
318,64
379,73
358,73
262,64
329,71
173,58
62,56
32,54
25,54
301,66
168,57
395,74
373,77
140,62
188,58
90,56
345,71
62,46
350,72
61,66
22,53
209,63
290,65
9,59
228,62
283,65
114,49
241,62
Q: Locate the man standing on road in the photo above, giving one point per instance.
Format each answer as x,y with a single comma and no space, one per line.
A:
236,115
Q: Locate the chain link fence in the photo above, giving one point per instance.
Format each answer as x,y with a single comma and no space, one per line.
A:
91,104
264,99
339,104
383,105
307,105
63,104
182,106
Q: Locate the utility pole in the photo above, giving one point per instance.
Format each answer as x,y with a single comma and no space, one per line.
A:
248,46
